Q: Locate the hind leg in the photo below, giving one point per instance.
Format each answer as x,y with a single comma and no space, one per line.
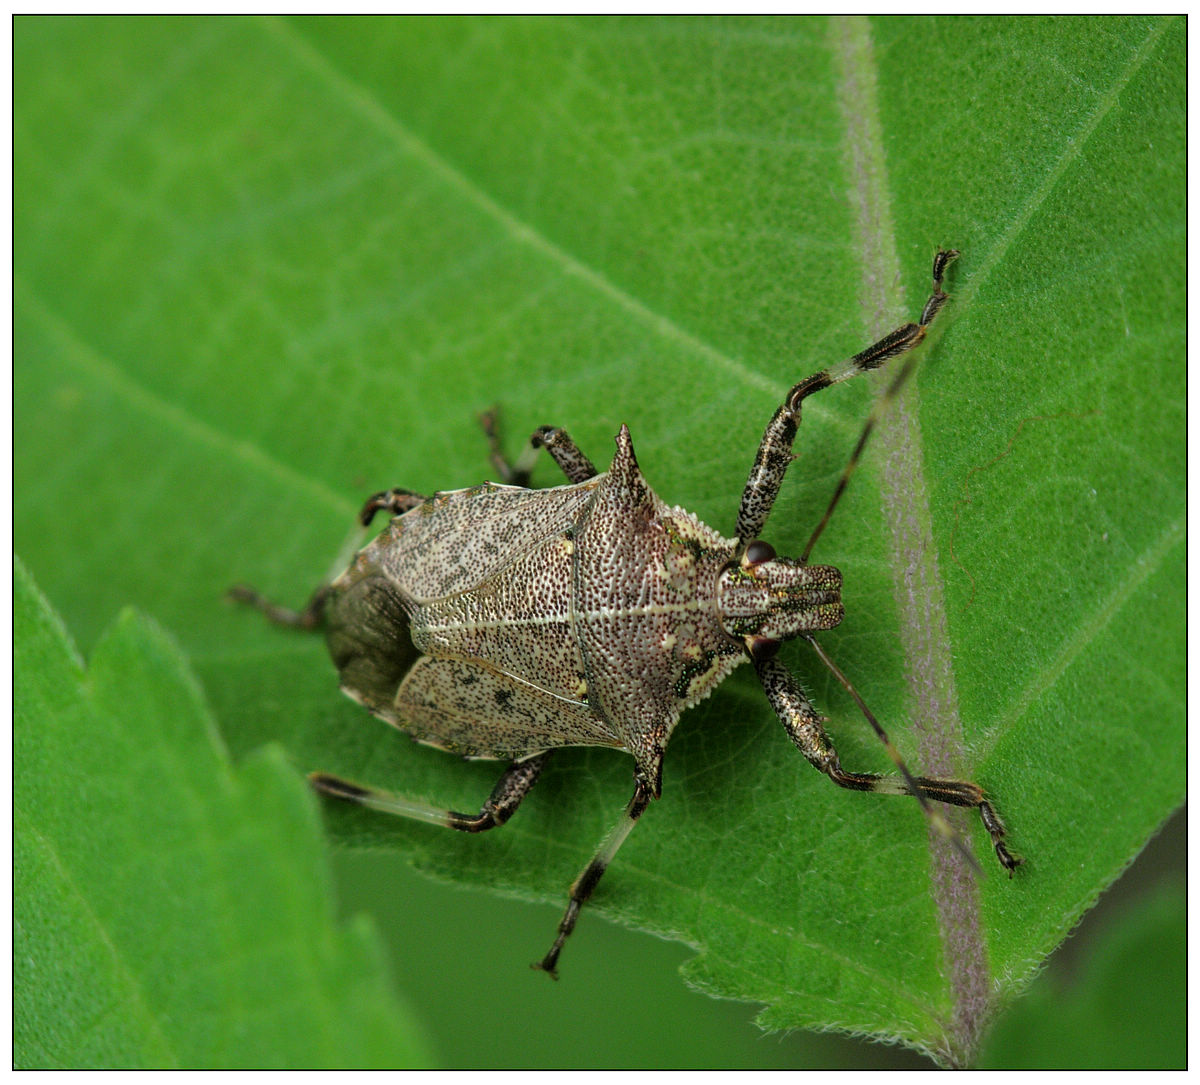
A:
310,617
506,796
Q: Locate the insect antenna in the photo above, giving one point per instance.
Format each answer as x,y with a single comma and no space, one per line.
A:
936,818
881,405
900,341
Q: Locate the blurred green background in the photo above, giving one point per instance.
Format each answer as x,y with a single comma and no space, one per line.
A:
1115,995
264,267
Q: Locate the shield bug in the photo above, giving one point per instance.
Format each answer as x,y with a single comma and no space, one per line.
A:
502,622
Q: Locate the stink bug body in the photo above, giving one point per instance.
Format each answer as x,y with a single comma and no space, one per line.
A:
503,622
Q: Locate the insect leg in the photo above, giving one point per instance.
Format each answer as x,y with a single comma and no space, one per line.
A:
514,474
310,617
775,451
583,886
574,464
506,796
395,501
805,728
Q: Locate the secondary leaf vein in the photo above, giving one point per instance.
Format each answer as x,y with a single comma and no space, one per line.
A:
75,350
520,231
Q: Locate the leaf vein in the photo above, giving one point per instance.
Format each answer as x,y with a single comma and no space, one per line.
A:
77,351
102,932
1140,570
1071,153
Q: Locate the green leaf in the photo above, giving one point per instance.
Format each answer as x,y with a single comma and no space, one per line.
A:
170,911
265,268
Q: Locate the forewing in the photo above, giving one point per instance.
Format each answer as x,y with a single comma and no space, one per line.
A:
475,711
455,541
519,622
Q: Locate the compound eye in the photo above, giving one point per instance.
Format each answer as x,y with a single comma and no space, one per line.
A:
758,552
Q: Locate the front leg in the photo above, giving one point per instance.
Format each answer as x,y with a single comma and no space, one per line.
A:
805,728
775,451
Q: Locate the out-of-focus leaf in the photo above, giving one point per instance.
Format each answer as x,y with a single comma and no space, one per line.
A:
1124,1009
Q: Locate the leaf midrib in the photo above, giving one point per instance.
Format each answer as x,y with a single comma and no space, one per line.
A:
916,577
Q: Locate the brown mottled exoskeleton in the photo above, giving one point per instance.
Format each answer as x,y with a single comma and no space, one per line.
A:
502,622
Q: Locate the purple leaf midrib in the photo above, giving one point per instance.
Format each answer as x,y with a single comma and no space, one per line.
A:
917,584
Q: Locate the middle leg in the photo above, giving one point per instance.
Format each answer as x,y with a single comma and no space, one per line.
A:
805,728
573,463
